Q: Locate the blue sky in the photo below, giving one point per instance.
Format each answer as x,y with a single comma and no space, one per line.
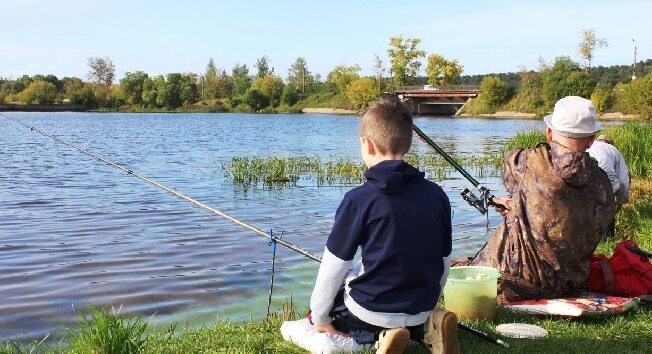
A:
159,37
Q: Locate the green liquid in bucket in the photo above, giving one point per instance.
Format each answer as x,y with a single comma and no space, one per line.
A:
472,298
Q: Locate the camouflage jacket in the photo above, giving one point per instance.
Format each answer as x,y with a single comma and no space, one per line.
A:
562,204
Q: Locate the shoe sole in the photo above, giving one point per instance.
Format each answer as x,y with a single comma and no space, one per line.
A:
449,333
395,343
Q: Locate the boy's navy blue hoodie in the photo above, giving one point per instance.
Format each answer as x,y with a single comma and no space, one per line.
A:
402,223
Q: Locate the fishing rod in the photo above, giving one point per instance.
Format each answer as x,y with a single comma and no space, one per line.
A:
275,240
157,184
486,198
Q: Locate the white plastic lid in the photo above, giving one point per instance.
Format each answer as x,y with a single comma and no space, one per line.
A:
521,330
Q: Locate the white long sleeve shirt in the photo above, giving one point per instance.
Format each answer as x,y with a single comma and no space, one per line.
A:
611,161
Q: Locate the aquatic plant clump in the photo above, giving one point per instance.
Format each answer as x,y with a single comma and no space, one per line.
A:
275,171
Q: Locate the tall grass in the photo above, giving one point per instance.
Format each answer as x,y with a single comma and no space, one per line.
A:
107,331
634,140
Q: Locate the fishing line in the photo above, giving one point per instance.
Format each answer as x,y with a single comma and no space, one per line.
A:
157,184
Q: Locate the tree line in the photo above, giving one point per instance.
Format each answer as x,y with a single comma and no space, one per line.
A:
239,89
261,89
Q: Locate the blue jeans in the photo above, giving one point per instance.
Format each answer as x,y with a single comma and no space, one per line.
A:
361,331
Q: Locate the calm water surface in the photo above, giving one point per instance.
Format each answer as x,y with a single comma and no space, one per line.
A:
75,231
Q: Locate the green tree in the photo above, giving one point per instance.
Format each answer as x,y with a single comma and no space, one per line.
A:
588,45
362,91
271,86
101,71
262,67
167,91
529,96
442,71
494,91
289,96
51,79
255,99
578,83
224,85
131,86
12,87
241,80
208,89
148,97
299,75
188,92
554,79
341,76
79,92
41,92
602,97
404,59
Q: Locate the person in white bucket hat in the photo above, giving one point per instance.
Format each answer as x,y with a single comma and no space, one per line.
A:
560,206
573,117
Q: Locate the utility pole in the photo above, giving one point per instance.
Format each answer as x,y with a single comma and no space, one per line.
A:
634,65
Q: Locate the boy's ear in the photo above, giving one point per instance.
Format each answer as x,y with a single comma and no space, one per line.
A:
368,145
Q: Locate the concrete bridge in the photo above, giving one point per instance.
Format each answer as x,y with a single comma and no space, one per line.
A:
433,100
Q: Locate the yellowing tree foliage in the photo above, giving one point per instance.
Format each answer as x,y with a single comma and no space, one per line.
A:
362,91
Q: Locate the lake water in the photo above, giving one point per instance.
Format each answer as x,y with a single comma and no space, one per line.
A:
75,231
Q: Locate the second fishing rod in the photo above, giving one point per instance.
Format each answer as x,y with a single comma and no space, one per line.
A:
479,202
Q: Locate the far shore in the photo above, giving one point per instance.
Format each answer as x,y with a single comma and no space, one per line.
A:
524,115
617,116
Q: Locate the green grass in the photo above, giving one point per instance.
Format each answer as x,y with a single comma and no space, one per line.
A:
106,331
628,333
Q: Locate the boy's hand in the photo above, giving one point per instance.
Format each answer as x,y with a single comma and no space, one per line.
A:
330,329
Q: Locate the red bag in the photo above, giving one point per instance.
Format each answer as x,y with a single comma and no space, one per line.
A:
627,273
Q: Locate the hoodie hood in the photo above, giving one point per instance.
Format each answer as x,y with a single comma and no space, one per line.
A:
392,176
571,166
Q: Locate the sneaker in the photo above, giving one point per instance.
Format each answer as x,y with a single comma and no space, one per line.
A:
392,341
441,332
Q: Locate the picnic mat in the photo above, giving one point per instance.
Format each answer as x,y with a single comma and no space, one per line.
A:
584,305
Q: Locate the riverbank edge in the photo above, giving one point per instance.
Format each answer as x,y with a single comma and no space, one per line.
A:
619,116
525,115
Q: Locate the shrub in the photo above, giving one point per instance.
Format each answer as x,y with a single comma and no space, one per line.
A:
602,97
636,97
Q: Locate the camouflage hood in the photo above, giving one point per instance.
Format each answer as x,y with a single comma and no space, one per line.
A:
575,168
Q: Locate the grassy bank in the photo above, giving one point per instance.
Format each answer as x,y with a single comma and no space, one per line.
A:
107,331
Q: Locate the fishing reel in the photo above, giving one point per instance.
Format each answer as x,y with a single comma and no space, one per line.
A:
479,203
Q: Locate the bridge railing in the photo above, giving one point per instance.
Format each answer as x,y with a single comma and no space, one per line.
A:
428,88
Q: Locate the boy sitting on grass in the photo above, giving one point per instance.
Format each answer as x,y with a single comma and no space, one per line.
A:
402,223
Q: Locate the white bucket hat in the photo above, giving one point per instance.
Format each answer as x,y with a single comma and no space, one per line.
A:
573,117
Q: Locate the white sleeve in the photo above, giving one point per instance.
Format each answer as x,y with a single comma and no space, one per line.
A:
606,160
622,173
444,276
330,279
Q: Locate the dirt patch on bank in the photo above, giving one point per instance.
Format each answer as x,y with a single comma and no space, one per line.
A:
328,111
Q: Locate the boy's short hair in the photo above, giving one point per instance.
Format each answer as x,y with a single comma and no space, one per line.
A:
388,123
